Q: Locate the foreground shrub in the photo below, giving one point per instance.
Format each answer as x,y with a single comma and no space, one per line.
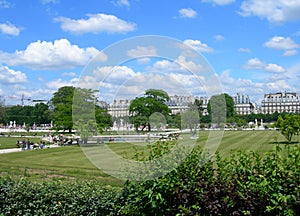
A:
246,183
55,198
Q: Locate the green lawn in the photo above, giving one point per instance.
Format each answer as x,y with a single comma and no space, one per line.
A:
70,163
10,142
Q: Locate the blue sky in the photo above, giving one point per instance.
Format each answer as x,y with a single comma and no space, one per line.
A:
252,45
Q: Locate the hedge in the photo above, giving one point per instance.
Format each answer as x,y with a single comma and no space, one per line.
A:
245,183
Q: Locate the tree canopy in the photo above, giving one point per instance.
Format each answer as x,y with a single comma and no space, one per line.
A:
288,126
220,107
37,114
142,108
89,118
62,107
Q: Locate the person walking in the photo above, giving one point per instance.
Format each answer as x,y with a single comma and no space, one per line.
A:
28,144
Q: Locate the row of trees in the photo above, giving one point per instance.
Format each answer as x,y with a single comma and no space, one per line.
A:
38,114
152,109
59,110
144,110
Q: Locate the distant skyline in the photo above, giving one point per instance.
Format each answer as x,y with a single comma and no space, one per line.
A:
252,45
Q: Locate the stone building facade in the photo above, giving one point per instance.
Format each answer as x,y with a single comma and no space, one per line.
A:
281,102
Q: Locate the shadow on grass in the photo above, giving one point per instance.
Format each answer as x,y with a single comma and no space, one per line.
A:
284,143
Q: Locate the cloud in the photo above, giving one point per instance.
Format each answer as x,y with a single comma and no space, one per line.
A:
278,11
246,50
57,55
5,4
96,23
10,76
10,29
56,84
180,65
281,43
219,37
198,45
115,74
187,13
274,68
122,3
290,53
70,74
142,51
277,83
219,2
256,64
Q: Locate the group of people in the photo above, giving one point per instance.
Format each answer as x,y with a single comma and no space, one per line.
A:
28,145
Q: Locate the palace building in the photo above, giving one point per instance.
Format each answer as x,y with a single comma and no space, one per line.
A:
281,102
243,105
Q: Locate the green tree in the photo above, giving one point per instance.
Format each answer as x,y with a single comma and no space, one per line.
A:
41,114
20,114
62,108
2,114
220,107
288,126
103,119
88,118
142,108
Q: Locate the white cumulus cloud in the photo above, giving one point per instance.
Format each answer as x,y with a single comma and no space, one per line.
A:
254,63
281,43
257,64
275,11
10,76
43,55
56,84
187,13
10,29
198,45
274,68
96,23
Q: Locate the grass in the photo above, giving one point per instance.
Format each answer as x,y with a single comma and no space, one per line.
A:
69,163
10,142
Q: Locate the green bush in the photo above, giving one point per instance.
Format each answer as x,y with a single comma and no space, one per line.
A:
246,183
55,198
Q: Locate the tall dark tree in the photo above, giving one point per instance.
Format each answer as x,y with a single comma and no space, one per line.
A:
89,118
41,113
62,108
20,114
220,107
103,119
2,114
142,108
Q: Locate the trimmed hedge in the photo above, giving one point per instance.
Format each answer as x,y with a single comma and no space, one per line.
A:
55,198
244,184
